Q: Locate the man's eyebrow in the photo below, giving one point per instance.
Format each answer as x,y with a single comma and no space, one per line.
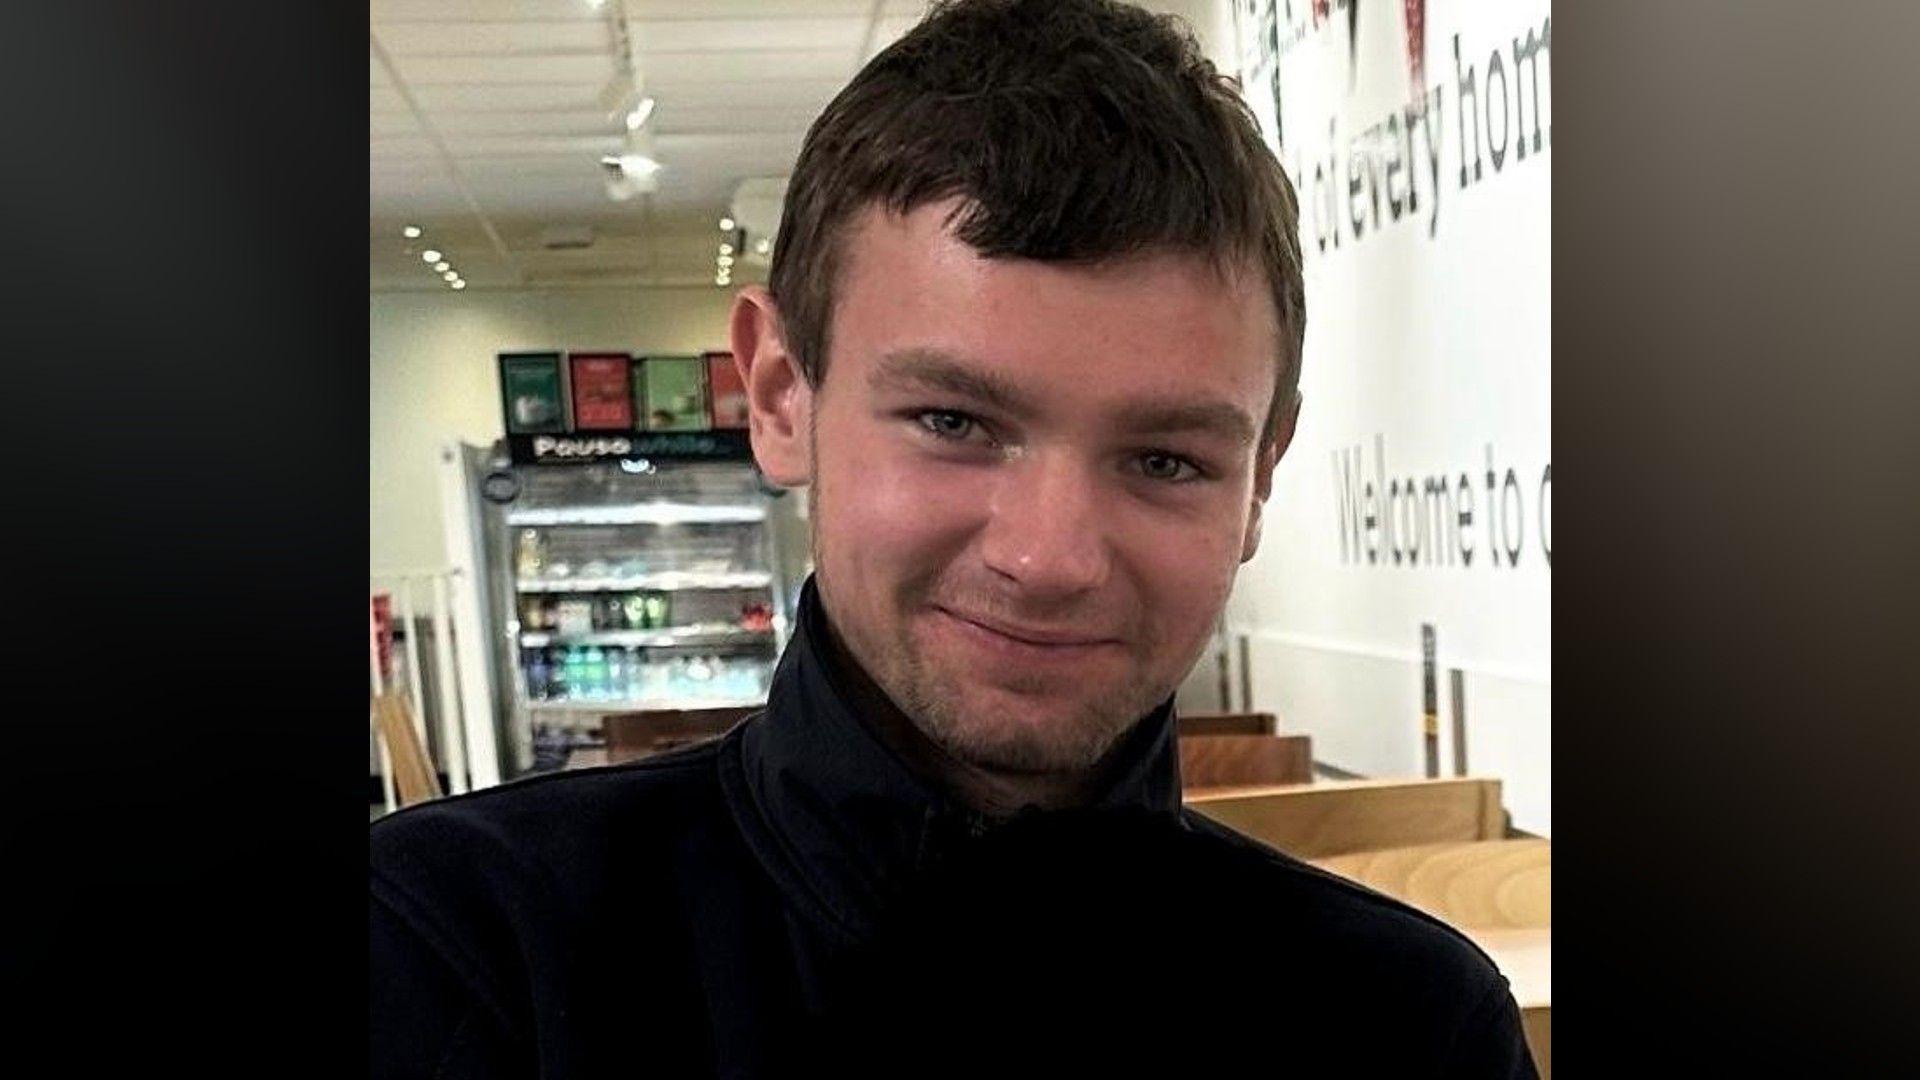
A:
938,370
933,369
1212,417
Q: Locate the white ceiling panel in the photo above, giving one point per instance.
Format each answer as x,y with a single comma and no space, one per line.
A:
494,38
586,69
389,124
511,97
649,10
733,35
665,71
675,117
770,91
504,122
384,11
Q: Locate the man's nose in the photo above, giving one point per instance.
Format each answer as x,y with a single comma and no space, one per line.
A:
1047,530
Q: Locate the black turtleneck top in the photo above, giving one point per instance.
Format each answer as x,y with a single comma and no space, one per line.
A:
800,896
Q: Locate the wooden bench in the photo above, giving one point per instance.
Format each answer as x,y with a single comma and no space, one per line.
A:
637,734
1208,762
1221,723
1334,817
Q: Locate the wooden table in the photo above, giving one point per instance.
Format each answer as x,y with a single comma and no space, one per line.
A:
1496,892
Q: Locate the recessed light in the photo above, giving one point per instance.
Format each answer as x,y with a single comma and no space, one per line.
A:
726,260
726,249
726,224
450,275
459,284
442,265
637,166
411,232
762,246
429,256
639,114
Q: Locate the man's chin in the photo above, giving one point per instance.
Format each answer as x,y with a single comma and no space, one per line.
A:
1028,744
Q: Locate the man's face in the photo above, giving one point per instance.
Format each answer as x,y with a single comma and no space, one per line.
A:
1033,482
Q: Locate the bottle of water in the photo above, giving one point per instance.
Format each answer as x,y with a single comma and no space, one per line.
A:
538,674
595,673
616,673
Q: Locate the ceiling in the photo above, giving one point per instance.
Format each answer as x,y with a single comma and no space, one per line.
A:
487,120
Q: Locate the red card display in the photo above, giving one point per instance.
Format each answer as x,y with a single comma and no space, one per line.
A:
601,399
728,394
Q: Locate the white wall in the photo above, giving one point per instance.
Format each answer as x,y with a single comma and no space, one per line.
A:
1429,327
432,379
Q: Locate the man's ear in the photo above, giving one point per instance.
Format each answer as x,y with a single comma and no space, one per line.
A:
1263,473
779,400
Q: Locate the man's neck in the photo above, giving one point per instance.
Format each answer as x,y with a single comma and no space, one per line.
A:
993,792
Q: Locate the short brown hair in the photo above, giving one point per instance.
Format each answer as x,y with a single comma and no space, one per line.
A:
1072,130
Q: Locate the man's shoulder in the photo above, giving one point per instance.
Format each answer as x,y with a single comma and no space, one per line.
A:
550,828
1325,914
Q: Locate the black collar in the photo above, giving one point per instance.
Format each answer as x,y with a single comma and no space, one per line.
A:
841,821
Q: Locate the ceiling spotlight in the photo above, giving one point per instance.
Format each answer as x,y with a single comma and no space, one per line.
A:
726,224
596,4
430,256
459,285
761,246
726,261
442,265
726,249
411,232
638,166
639,114
450,275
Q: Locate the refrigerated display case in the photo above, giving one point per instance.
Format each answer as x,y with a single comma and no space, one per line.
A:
622,586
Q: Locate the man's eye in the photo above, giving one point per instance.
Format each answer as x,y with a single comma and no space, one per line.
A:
1168,467
946,423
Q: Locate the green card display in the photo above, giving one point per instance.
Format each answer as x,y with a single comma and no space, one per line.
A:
671,392
531,394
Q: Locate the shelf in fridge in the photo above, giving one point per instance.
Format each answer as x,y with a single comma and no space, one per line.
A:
662,703
664,581
652,513
672,636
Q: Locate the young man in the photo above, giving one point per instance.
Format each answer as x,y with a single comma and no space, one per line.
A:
1032,343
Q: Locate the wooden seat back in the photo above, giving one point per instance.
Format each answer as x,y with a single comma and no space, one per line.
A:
414,778
1334,817
637,734
1224,723
1215,761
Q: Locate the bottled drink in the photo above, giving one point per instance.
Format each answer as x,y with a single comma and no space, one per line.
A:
635,610
616,673
573,664
607,613
595,673
531,555
538,674
636,675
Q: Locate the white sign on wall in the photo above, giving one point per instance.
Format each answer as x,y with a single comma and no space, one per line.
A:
1418,490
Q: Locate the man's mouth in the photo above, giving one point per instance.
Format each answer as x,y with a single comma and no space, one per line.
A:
1037,637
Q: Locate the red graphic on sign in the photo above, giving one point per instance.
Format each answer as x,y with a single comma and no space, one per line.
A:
1322,11
381,618
1417,42
601,401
